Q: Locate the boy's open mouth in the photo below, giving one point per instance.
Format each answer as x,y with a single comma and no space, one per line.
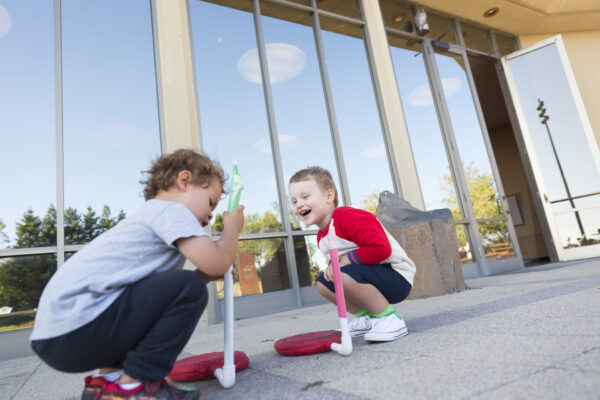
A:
304,213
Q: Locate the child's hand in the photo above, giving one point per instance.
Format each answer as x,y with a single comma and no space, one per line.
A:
234,220
328,273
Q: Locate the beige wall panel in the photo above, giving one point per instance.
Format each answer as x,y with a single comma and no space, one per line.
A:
177,88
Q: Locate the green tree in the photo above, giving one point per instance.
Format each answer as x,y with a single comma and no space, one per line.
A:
484,196
3,235
370,202
22,279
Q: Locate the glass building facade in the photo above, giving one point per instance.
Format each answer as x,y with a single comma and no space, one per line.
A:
279,85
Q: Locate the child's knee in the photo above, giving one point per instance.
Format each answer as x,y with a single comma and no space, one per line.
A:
192,286
322,289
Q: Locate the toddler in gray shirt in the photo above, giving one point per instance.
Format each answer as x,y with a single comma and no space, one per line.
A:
123,303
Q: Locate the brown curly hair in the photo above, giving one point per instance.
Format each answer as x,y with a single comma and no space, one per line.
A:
165,169
321,176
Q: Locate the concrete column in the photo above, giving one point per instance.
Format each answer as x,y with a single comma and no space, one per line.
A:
390,104
175,72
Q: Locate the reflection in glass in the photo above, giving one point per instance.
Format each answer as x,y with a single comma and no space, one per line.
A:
581,227
464,248
359,126
567,165
22,280
310,261
261,268
111,130
429,151
506,44
467,131
476,38
533,73
28,124
230,84
495,240
300,112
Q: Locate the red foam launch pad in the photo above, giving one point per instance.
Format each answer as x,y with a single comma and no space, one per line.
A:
308,343
203,366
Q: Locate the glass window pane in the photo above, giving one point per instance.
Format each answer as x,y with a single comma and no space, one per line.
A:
111,129
560,142
261,268
346,8
464,248
310,261
506,44
581,227
298,97
28,124
469,138
496,240
429,150
230,84
364,150
22,280
476,38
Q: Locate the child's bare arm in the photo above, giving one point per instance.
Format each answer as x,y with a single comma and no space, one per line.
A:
213,259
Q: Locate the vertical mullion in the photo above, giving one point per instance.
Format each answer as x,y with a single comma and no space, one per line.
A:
456,166
333,125
264,70
60,196
158,72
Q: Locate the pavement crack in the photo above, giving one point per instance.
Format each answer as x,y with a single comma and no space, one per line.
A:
312,384
25,380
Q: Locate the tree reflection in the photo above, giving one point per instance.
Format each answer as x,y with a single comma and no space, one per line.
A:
22,279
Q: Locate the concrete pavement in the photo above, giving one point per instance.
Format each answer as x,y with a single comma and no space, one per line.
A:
528,335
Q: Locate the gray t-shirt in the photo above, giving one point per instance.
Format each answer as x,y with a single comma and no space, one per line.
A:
88,283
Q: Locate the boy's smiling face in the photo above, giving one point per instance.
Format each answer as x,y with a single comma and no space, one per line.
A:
312,204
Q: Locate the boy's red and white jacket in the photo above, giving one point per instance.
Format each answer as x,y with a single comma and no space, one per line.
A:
360,235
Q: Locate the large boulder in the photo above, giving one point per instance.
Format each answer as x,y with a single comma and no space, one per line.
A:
429,239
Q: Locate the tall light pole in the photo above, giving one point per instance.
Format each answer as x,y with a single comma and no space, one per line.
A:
544,121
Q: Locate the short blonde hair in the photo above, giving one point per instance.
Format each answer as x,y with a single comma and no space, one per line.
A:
164,171
321,176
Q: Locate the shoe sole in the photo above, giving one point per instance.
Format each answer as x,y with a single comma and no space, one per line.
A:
356,333
385,337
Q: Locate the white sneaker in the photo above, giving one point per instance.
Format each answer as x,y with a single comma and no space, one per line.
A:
359,326
386,329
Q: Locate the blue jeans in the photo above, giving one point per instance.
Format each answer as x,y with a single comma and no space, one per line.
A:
143,331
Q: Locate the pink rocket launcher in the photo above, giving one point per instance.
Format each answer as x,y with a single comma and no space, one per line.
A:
344,348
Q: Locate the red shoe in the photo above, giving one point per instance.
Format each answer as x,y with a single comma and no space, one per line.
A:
93,386
153,390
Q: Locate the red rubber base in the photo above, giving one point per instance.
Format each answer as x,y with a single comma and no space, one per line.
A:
203,366
308,343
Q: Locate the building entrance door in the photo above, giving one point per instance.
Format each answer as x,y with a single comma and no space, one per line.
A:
560,144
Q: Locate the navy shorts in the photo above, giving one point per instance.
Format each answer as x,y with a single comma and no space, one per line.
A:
390,283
